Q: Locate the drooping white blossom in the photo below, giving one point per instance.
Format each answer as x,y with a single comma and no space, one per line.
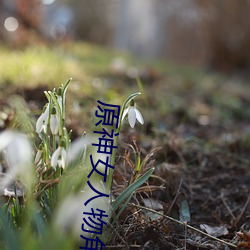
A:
16,149
54,121
59,157
42,122
133,114
39,154
59,99
70,214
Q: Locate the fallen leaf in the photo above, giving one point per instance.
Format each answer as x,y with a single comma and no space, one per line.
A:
155,205
245,236
183,208
215,231
185,212
152,204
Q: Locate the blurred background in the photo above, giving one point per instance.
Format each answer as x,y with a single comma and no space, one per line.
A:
193,60
211,34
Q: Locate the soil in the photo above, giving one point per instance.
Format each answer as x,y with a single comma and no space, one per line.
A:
202,175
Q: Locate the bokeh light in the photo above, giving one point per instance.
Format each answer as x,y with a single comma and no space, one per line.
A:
11,24
48,2
58,31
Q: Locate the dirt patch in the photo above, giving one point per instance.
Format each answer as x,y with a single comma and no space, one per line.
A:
203,162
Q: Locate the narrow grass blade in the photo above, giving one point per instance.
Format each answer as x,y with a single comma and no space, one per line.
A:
122,209
10,236
128,191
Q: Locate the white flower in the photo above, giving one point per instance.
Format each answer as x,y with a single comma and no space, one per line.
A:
42,122
133,114
59,157
78,149
17,152
70,213
39,155
59,99
17,148
54,121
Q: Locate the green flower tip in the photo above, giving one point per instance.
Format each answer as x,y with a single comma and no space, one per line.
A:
45,107
53,111
132,103
62,143
59,91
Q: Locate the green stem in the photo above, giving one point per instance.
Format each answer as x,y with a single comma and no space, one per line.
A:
54,142
52,95
110,175
47,138
65,87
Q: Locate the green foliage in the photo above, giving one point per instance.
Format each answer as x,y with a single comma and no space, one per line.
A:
34,64
48,65
61,169
21,121
132,188
11,240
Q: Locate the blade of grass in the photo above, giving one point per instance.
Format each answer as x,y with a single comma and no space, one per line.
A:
128,191
39,222
122,209
10,235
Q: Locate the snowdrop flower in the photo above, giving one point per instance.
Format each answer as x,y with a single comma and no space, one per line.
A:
78,148
59,157
54,121
59,97
42,122
39,154
17,152
70,213
133,114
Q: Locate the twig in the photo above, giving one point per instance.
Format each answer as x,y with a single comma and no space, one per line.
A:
227,207
237,220
121,246
173,202
185,242
48,185
184,224
57,180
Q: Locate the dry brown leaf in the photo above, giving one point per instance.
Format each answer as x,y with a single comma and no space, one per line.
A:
245,236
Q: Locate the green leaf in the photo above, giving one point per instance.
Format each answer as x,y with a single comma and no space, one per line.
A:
65,87
128,191
138,163
39,222
10,236
122,209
